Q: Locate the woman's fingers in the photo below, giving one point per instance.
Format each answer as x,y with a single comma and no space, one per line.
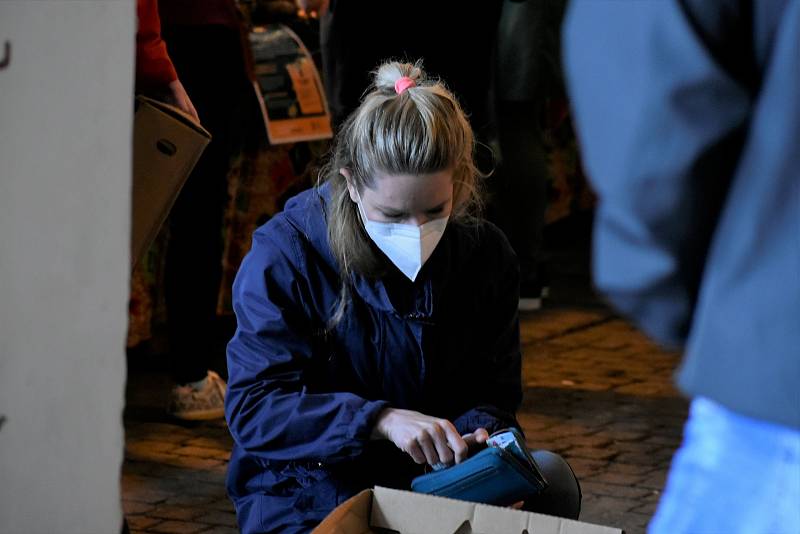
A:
442,443
455,443
481,435
426,442
413,449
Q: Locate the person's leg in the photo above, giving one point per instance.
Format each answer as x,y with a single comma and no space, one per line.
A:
523,193
193,269
731,475
562,497
523,73
209,62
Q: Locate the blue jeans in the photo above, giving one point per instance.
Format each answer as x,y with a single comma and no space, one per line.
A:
732,474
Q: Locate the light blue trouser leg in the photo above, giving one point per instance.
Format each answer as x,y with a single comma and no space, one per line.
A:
732,475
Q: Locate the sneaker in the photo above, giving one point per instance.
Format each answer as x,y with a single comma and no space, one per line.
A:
531,296
544,280
199,401
534,291
545,292
530,304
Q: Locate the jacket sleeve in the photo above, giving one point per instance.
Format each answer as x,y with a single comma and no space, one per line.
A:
269,409
154,69
660,124
500,371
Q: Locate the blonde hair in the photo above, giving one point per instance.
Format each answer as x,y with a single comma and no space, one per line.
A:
422,130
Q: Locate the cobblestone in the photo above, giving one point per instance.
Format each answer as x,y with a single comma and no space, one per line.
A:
180,513
198,501
134,507
204,452
225,519
613,490
604,389
221,530
178,527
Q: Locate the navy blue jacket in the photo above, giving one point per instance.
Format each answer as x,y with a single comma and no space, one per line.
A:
689,117
302,400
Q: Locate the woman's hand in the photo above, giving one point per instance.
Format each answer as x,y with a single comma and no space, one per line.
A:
424,438
182,101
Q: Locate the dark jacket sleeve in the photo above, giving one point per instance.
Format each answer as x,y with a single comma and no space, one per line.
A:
269,409
500,372
660,123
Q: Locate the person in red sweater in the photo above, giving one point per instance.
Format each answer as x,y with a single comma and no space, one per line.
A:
155,73
197,393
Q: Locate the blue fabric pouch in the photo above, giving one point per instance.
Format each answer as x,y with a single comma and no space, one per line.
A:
501,474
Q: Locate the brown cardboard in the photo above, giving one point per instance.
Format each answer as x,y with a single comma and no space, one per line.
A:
414,513
166,146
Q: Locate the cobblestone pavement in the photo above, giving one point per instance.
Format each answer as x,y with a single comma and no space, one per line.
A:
596,391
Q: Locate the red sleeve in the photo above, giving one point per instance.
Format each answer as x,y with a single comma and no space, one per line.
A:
154,69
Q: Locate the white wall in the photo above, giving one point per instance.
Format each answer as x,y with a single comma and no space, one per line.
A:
65,152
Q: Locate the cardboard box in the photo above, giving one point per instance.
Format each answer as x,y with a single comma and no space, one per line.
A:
405,512
166,146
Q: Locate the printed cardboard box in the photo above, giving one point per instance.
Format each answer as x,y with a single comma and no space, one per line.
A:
166,146
385,510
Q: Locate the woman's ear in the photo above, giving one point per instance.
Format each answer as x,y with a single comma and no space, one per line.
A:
350,187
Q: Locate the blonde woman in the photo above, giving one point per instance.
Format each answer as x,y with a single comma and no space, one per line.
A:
377,321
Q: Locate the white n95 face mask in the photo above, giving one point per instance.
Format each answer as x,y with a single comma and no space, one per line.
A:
408,246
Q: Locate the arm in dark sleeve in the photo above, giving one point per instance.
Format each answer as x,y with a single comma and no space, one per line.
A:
154,69
270,412
500,375
660,124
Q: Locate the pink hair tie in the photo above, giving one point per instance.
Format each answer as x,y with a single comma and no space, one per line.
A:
403,83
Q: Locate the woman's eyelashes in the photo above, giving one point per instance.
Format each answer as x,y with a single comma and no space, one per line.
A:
436,211
393,216
403,216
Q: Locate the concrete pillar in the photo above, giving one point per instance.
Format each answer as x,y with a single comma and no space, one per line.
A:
66,83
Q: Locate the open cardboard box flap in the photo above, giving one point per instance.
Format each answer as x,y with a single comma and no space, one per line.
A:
175,113
414,513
